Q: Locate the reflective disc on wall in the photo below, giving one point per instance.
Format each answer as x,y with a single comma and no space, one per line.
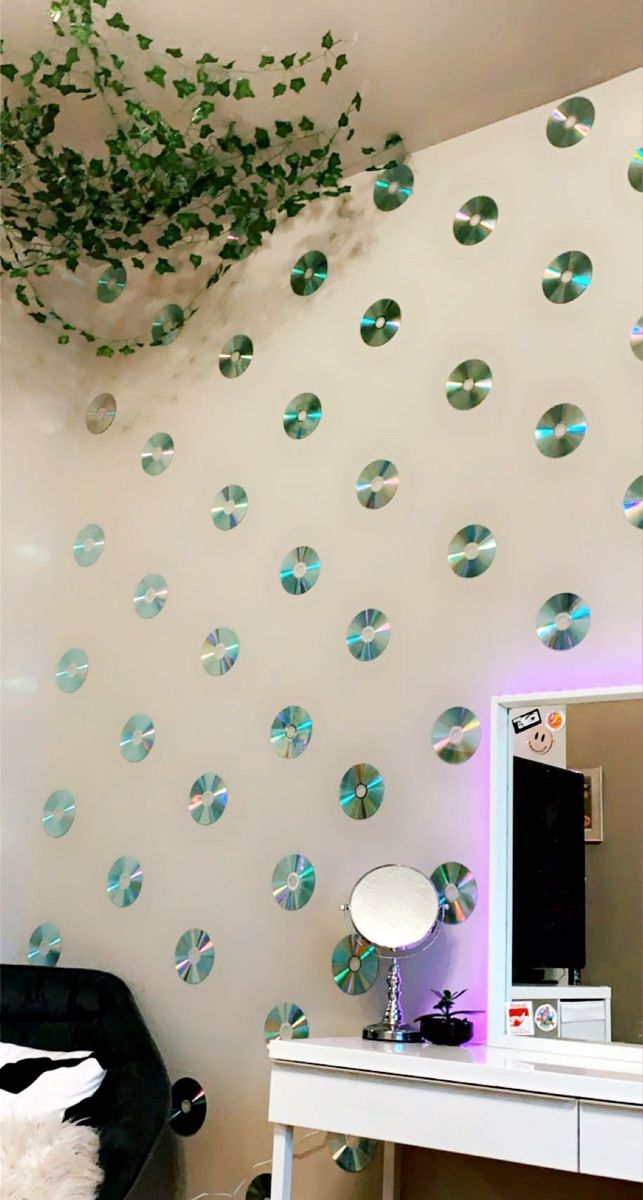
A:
300,570
229,507
377,484
635,170
393,187
636,338
302,415
124,881
567,277
58,813
100,413
308,273
355,964
111,284
157,454
89,545
380,322
220,651
456,735
166,324
188,1107
570,122
469,384
236,356
475,220
45,945
457,892
286,1021
291,731
208,799
361,791
293,882
563,621
633,503
368,634
260,1187
352,1153
72,669
137,737
471,551
560,430
194,956
150,596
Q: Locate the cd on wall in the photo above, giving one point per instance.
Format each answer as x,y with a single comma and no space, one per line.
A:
352,1153
157,454
636,338
563,621
72,669
475,220
260,1187
194,956
229,507
633,503
89,545
299,570
291,731
456,735
137,737
208,799
149,596
308,273
293,882
380,322
111,284
45,946
286,1021
471,551
393,187
220,651
368,634
58,813
635,170
570,122
188,1107
469,384
377,484
361,791
457,892
100,413
560,430
567,276
236,356
166,324
124,881
302,415
355,964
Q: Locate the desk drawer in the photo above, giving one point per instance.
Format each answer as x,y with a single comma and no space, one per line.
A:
611,1141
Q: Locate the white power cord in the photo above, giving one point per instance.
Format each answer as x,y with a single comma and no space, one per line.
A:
267,1162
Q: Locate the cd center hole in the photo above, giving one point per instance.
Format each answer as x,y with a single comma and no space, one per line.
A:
468,384
229,507
563,621
207,797
380,322
394,186
560,429
451,892
308,273
123,881
293,881
566,276
186,1106
59,812
291,731
354,964
157,453
100,413
352,1142
570,122
194,956
299,569
361,791
44,947
475,219
377,483
471,550
368,633
88,545
137,737
235,356
71,669
285,1031
150,595
219,650
302,414
456,734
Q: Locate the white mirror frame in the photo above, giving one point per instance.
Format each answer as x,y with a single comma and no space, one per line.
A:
500,882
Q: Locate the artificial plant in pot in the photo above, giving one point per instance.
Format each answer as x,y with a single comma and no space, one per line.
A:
449,1026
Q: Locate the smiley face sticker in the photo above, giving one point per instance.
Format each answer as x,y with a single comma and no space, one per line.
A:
540,740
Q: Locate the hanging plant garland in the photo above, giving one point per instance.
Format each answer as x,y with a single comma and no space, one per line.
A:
193,189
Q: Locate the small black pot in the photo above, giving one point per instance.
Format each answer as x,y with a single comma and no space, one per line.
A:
446,1031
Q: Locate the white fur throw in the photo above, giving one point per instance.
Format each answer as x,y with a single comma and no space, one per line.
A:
45,1159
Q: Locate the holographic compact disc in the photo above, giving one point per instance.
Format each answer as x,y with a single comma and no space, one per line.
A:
302,415
89,545
475,220
456,735
636,339
236,356
633,503
194,956
471,551
286,1021
560,430
469,384
308,273
220,651
352,1153
157,454
100,413
229,507
124,881
293,882
72,669
45,945
208,799
635,170
380,322
567,277
392,188
58,813
570,122
368,634
260,1187
299,570
188,1107
149,596
355,964
167,324
377,484
111,284
291,731
361,791
457,892
563,621
137,737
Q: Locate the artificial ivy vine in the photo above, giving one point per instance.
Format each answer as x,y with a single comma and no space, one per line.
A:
195,188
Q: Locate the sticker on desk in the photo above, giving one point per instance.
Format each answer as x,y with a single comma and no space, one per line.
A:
526,720
520,1018
546,1018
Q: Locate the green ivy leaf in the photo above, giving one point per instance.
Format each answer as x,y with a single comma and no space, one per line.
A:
279,89
118,22
21,294
174,52
206,58
42,269
203,110
189,220
89,337
340,62
393,139
156,74
283,128
127,349
39,317
306,125
325,75
298,84
9,71
262,138
328,41
63,339
144,42
288,61
163,267
184,87
243,90
105,352
138,263
101,3
368,149
304,58
266,60
196,260
357,102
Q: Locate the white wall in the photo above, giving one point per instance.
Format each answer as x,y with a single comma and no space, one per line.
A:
558,525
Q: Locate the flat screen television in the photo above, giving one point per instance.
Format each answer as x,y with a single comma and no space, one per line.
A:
548,869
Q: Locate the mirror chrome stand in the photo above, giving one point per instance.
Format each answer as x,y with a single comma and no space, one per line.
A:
392,1027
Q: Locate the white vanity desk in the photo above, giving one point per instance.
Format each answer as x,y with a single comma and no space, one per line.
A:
549,1110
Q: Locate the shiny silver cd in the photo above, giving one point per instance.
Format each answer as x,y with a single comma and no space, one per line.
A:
58,813
563,621
355,964
150,596
229,507
291,731
194,956
188,1107
570,122
137,737
393,188
72,669
633,503
471,551
260,1187
236,356
167,324
457,892
157,454
299,570
567,277
111,284
293,882
475,220
124,881
208,799
302,415
456,735
560,430
636,339
380,322
352,1154
368,634
89,545
361,791
45,945
220,651
286,1021
635,170
100,413
469,384
308,273
377,484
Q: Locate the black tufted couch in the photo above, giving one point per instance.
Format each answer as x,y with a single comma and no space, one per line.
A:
65,1008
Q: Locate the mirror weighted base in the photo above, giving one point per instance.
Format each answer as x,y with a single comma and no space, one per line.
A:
383,1032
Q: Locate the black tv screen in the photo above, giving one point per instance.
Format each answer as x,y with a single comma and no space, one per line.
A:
548,868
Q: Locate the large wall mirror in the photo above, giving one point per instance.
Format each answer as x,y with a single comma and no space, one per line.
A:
566,935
